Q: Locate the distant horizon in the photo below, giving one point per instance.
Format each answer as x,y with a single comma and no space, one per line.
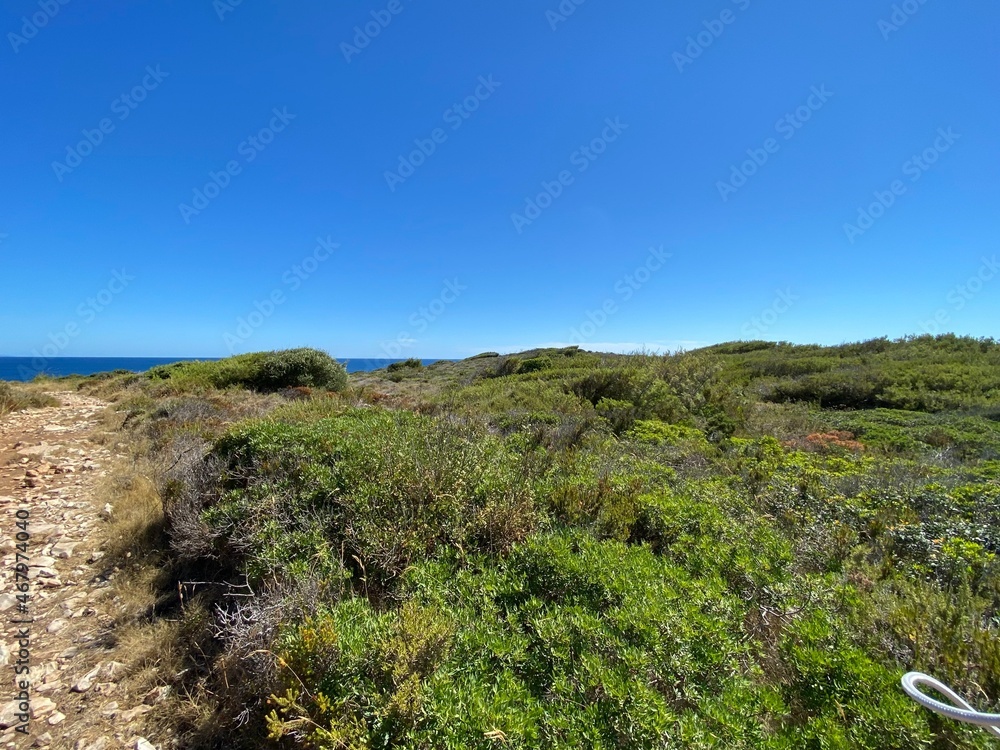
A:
23,369
599,347
197,357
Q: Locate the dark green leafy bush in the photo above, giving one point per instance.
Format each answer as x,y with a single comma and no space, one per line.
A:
535,364
504,367
406,364
373,489
264,371
624,395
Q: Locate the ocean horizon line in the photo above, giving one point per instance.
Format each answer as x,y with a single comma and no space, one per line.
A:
216,359
22,369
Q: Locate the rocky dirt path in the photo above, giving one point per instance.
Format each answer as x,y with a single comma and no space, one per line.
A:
51,466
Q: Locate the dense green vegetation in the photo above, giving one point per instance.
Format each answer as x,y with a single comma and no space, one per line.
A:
743,546
263,371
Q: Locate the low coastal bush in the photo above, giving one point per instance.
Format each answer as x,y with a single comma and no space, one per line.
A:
622,395
534,364
371,490
574,642
406,364
918,433
504,366
262,371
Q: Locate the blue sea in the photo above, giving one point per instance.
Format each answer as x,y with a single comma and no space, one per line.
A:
26,368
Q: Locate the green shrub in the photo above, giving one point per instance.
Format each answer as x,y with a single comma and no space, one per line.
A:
353,678
601,492
535,364
623,395
264,371
298,367
656,432
841,696
407,364
504,367
753,462
573,642
914,433
373,487
859,388
495,399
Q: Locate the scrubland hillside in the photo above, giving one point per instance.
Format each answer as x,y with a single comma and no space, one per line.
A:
743,546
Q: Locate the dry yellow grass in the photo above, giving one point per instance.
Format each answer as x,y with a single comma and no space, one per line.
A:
162,643
17,396
135,524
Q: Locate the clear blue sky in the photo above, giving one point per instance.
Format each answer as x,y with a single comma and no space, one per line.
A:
444,257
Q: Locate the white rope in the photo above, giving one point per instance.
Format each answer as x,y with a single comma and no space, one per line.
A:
912,681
